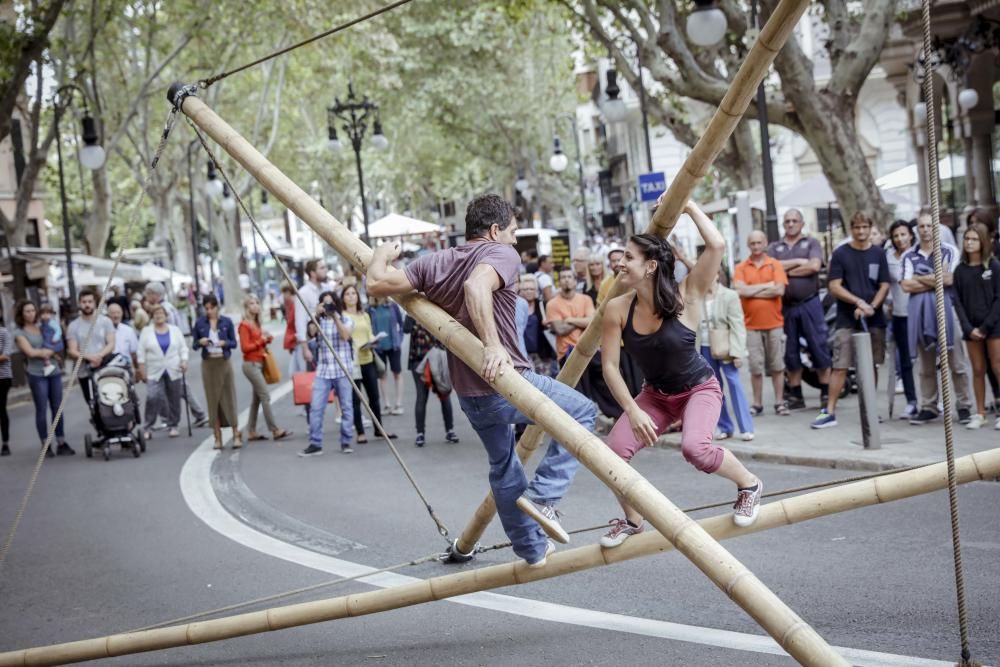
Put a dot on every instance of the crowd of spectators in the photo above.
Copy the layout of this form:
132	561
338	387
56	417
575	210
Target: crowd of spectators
788	312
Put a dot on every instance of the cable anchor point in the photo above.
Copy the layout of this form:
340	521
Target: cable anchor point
178	92
454	555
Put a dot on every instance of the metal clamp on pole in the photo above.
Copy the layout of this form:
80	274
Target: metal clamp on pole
864	367
178	92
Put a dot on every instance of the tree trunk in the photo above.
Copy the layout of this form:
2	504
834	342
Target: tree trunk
828	125
746	170
98	231
229	254
181	236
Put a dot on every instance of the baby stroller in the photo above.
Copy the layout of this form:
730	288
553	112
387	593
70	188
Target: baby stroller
114	410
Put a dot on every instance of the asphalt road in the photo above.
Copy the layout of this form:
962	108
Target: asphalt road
107	547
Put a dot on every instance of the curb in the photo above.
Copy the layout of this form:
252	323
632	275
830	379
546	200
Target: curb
842	463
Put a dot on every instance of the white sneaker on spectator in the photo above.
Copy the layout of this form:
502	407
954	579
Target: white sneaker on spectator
747	437
976	422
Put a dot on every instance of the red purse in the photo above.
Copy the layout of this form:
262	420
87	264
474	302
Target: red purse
302	388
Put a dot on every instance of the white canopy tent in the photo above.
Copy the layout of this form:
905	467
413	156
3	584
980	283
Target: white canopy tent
395	224
908	175
817	193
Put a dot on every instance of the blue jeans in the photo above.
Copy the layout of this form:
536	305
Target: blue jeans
320	395
739	399
806	320
493	418
47	391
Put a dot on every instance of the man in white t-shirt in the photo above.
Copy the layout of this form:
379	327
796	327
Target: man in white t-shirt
91	337
316	283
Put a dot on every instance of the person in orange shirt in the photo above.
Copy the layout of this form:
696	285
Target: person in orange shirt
760	281
568	313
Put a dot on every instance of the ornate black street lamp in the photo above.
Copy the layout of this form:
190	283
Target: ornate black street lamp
558	163
91	156
194	226
354	114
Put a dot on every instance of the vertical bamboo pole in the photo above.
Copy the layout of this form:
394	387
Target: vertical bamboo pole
983	465
786	627
743	89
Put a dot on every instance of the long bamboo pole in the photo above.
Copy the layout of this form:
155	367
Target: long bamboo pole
784	625
980	466
742	91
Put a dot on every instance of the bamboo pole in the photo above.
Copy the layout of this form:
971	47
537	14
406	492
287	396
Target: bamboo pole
980	466
741	92
786	627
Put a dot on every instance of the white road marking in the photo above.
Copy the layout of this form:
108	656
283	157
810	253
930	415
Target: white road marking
195	481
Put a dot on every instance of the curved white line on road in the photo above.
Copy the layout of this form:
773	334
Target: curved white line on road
195	481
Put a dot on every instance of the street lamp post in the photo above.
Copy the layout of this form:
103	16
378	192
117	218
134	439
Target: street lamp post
771	214
354	114
706	26
91	156
194	227
558	162
213	191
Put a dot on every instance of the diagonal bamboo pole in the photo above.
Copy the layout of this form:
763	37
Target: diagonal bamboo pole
743	89
980	466
786	627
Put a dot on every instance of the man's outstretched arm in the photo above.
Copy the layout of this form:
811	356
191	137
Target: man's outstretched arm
382	278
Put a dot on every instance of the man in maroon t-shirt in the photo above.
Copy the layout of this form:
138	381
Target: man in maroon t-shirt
474	283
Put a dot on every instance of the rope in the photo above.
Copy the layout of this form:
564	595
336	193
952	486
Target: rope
727	503
168	126
480	549
376	422
942	331
285	594
205	83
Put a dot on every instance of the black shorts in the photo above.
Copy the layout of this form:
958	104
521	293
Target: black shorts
392	359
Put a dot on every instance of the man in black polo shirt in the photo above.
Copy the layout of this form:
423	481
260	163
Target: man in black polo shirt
801	256
859	280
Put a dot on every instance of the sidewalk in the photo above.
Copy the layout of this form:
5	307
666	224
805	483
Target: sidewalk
790	440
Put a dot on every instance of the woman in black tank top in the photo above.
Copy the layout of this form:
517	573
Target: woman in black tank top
656	322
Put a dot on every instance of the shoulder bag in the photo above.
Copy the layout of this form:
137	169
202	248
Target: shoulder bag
718	338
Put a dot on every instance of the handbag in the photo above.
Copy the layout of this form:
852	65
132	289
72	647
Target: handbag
718	338
379	364
272	374
302	388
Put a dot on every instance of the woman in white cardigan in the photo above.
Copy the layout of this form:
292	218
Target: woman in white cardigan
163	357
725	350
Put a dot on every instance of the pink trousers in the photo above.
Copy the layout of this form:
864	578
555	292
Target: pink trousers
699	409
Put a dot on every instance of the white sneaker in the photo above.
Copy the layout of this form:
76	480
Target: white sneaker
996	426
747	505
976	422
747	437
